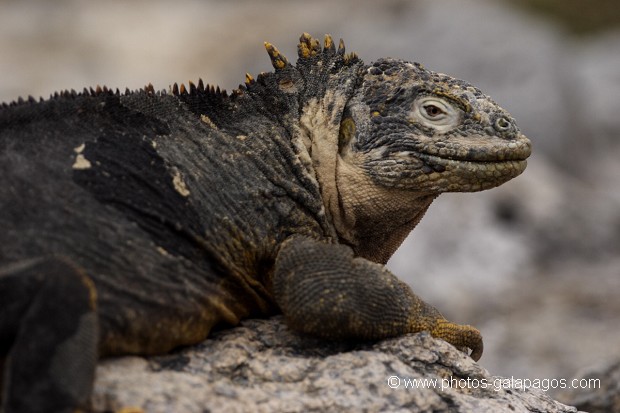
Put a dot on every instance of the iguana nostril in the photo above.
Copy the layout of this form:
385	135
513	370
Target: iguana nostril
502	124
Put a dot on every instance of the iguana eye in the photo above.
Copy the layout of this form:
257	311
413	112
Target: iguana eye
435	112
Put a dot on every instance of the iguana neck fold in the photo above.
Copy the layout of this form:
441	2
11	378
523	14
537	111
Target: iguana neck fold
319	130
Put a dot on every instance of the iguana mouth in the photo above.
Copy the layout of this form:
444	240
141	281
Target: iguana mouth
517	150
438	163
462	175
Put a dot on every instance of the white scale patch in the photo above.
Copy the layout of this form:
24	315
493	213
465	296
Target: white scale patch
162	251
80	160
179	184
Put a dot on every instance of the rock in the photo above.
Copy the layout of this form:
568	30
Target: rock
597	389
263	366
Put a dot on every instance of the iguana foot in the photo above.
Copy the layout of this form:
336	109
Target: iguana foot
460	336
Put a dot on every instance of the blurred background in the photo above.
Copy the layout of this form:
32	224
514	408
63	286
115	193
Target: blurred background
535	264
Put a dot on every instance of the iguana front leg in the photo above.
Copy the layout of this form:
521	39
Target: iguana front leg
325	291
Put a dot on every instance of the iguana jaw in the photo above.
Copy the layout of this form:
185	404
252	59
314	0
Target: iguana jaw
465	176
441	165
475	148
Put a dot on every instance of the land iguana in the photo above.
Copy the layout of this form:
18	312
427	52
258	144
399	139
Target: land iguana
136	222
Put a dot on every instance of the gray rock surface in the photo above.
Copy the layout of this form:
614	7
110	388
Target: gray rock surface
602	389
263	366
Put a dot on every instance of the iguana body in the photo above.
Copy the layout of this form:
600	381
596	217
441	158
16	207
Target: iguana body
135	223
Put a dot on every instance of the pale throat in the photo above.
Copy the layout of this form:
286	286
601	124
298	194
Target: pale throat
372	219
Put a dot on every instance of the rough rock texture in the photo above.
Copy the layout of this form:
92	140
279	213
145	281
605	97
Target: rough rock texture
263	366
603	394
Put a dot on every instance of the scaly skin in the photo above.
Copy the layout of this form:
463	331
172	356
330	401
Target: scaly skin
134	223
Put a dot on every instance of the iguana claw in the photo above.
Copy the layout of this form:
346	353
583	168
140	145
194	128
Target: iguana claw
460	336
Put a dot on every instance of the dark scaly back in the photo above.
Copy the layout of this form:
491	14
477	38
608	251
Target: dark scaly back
174	203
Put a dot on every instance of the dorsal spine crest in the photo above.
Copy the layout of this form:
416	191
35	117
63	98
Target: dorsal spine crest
308	47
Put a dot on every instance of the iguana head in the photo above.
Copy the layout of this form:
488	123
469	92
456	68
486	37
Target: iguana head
414	134
384	140
414	129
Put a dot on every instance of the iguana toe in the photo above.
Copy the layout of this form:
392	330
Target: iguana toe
460	336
